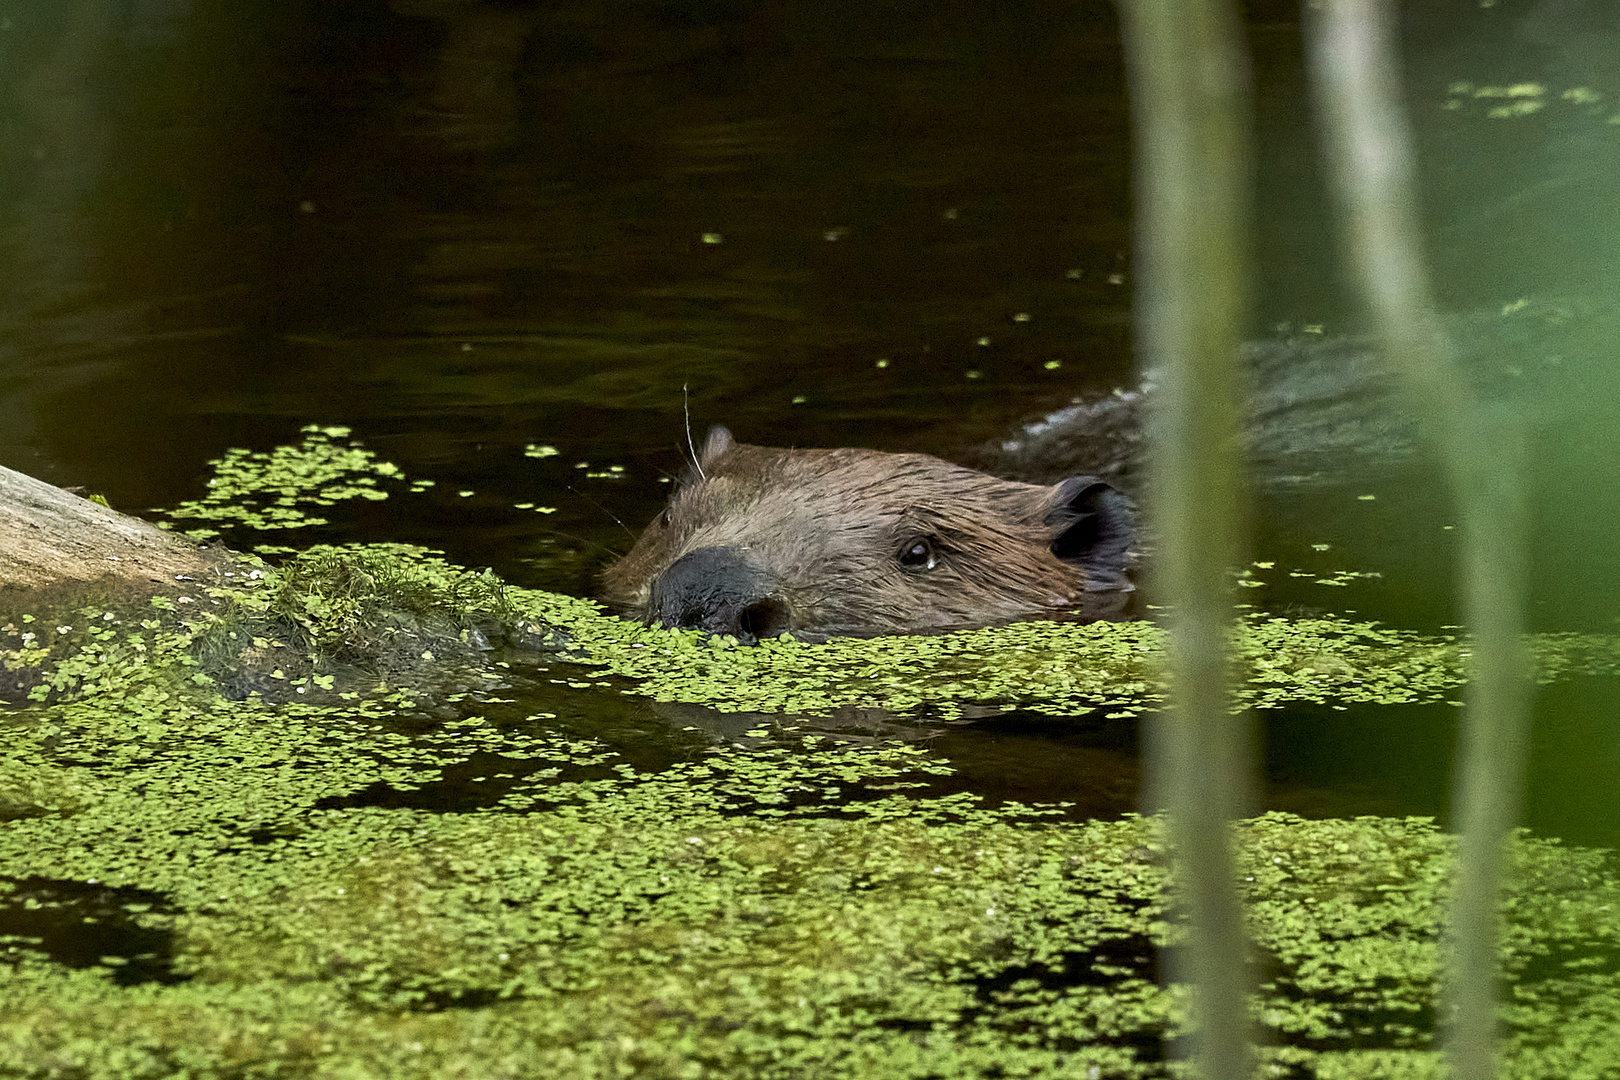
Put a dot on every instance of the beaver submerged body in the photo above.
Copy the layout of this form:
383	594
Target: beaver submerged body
757	542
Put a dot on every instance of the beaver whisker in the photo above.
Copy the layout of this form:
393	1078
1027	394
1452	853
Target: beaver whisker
616	519
686	413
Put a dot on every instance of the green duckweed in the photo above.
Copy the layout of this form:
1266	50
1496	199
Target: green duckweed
283	488
735	914
398	875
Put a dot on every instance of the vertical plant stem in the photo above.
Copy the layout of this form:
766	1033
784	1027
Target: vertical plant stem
1369	147
1190	106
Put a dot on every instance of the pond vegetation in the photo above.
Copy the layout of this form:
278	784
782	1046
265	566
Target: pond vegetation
397	850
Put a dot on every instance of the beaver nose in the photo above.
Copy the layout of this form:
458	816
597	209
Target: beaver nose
720	591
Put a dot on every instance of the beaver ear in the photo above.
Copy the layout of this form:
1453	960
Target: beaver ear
1092	527
715	445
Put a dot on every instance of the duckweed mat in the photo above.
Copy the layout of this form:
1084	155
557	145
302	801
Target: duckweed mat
338	623
789	913
1058	668
335	819
203	888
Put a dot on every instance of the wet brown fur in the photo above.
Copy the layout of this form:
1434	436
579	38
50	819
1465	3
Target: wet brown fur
830	525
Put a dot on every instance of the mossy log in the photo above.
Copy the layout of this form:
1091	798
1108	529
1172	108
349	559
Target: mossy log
91	598
53	538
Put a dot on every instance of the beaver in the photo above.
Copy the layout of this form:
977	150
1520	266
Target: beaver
757	542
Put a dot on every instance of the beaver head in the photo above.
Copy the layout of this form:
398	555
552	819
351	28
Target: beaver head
758	542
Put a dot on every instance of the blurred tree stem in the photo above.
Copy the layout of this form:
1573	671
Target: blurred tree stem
1369	148
1190	113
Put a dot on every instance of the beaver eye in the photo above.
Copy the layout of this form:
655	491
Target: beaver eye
919	553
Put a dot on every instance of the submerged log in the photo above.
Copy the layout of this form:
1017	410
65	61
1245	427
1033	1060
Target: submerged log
50	538
91	599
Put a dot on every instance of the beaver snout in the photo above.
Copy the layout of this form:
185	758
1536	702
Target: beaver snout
719	590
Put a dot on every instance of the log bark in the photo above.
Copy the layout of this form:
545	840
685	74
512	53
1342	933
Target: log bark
50	537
